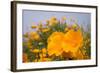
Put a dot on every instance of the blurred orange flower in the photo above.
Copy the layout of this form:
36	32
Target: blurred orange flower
29	45
25	58
35	50
44	50
45	29
34	36
33	26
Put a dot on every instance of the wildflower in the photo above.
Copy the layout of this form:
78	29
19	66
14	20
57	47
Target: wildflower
66	29
53	21
34	36
33	26
44	50
29	45
35	50
40	43
74	26
45	29
25	58
42	55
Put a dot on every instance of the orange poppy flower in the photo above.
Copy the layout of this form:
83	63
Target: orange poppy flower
54	44
72	41
59	42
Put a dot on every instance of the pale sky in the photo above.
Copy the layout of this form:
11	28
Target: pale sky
34	17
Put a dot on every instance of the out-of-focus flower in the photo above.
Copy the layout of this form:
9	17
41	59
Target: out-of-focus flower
42	55
53	21
29	45
35	50
33	26
25	58
54	43
44	50
66	29
34	36
44	59
40	43
72	41
45	29
74	26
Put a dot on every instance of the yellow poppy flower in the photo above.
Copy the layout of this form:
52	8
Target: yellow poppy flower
34	36
54	41
66	29
45	29
33	26
74	26
53	21
35	50
72	41
25	58
29	45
